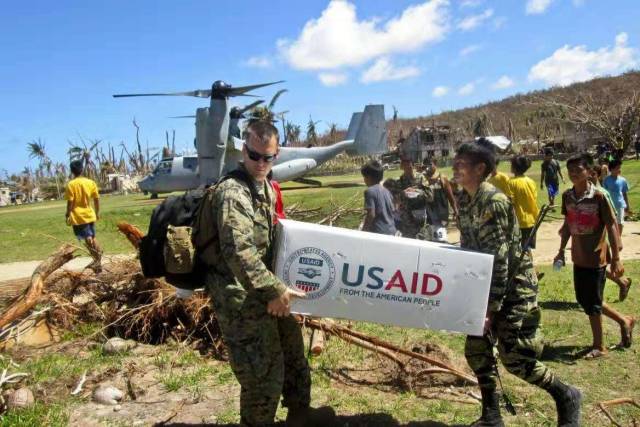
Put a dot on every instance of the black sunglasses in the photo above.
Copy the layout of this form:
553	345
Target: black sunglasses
255	156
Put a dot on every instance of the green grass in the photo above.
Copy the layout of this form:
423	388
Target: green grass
32	232
565	329
566	334
51	367
40	414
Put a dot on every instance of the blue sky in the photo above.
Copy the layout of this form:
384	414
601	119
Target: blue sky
62	61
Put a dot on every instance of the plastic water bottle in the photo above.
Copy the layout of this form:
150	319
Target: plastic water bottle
558	264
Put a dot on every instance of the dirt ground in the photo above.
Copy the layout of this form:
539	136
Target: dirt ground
548	241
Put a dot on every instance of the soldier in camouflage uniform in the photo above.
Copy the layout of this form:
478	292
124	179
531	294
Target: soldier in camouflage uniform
264	341
488	224
412	196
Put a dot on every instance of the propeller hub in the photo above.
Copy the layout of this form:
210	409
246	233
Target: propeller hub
235	113
220	89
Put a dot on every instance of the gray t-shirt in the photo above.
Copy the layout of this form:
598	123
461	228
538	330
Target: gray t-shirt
379	199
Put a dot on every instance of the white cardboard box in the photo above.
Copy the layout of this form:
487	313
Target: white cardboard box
371	277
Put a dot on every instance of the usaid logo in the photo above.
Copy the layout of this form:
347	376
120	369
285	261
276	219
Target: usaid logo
310	270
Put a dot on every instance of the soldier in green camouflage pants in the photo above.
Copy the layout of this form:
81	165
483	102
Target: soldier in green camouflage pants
252	305
488	224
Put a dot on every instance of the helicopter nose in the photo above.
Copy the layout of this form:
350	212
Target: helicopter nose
145	183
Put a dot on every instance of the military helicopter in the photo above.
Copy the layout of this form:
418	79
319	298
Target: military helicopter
219	147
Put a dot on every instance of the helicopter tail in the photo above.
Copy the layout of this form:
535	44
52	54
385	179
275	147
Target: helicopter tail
368	129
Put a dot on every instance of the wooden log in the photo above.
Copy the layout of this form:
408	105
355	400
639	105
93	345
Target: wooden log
31	295
317	342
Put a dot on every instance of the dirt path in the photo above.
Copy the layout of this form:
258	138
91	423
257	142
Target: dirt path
14	276
548	241
547	248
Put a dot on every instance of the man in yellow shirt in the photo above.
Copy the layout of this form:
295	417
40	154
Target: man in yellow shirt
79	193
524	195
500	180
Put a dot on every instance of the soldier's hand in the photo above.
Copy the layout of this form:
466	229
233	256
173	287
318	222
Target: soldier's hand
281	306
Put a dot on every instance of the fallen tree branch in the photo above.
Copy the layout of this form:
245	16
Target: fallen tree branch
30	297
131	232
81	381
379	350
606	404
377	344
10	379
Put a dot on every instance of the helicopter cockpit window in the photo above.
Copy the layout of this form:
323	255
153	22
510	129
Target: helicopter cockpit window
164	167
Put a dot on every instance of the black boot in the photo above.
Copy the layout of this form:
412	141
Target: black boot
310	417
568	399
490	410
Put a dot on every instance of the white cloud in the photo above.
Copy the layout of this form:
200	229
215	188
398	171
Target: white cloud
333	79
503	82
499	22
339	39
578	3
471	22
536	7
383	70
467	89
470	3
574	64
258	62
440	91
468	50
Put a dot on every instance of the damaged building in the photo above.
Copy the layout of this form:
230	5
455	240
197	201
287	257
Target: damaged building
427	141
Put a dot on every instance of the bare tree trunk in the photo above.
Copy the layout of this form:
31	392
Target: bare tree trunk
29	299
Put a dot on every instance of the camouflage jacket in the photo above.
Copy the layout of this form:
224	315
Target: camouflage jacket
418	182
245	237
488	224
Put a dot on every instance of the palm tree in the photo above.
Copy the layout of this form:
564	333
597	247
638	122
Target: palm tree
312	136
292	132
333	132
38	151
25	182
84	153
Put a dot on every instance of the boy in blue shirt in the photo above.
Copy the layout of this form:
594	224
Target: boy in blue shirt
618	188
378	202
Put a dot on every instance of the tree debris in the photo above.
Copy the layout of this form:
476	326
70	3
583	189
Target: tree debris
605	405
81	382
30	297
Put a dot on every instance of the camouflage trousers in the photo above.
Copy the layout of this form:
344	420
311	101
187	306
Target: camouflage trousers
410	227
267	357
519	345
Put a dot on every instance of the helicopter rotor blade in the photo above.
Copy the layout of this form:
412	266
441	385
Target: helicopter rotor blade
205	93
183	117
200	93
242	90
250	106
